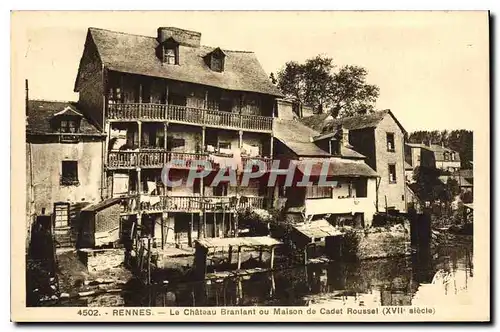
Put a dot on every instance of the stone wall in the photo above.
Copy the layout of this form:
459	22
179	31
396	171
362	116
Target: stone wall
104	259
381	242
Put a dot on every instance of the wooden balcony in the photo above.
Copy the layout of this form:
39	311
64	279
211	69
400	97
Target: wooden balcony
157	204
189	115
146	158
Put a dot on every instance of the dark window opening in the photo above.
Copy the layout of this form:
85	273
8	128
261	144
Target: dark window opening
69	172
69	126
361	188
390	142
217	63
175	144
316	191
392	173
177	99
221	189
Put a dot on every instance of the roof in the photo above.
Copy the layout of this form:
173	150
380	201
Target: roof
317	229
41	113
323	124
297	137
440	150
256	241
337	167
470	206
102	205
316	122
136	54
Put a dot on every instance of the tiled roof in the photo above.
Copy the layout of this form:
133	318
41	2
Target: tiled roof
41	113
321	122
298	138
439	152
136	54
337	167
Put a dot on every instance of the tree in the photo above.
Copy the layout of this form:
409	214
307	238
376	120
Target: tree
316	83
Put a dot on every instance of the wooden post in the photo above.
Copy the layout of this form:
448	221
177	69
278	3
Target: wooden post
165	133
305	255
272	257
260	253
191	230
166	102
139	185
205	102
140	93
215	225
223	223
230	254
240	142
204	224
203	133
149	260
235	224
272	147
162	233
239	257
139	126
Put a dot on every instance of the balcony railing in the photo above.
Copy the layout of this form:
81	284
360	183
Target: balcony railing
175	203
190	115
153	158
157	159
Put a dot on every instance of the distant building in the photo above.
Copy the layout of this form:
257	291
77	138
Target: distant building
380	137
64	165
351	200
432	155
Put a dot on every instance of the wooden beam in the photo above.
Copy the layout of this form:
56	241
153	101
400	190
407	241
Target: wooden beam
260	253
230	254
239	257
139	126
240	141
203	134
139	184
272	147
272	258
165	133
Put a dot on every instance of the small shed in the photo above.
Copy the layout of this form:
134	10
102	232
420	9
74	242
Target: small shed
204	245
314	235
100	224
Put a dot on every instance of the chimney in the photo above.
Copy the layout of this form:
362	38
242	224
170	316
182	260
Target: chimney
343	135
181	36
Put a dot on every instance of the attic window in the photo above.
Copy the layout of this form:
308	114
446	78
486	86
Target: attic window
217	63
170	54
215	60
69	126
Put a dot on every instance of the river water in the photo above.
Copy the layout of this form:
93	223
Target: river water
443	276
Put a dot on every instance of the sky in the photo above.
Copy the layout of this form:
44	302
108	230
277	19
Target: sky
431	67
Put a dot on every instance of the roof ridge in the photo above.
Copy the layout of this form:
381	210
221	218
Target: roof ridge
153	37
55	101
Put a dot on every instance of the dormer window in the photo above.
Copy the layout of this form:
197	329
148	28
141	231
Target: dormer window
170	55
69	126
334	147
168	52
215	60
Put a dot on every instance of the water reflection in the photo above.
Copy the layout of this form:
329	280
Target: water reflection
445	275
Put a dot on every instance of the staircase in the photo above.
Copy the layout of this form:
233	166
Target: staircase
63	237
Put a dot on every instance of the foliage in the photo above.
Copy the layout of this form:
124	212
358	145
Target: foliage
428	187
340	93
458	140
350	245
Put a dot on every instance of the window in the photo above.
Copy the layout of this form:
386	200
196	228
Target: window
175	144
69	173
170	55
453	156
224	146
446	156
61	214
316	191
392	173
68	126
217	63
390	142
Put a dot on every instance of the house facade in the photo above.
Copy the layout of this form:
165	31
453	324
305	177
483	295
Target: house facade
433	155
63	165
378	136
169	98
351	198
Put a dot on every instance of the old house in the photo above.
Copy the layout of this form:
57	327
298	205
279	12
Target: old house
351	200
432	155
63	165
167	98
378	136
